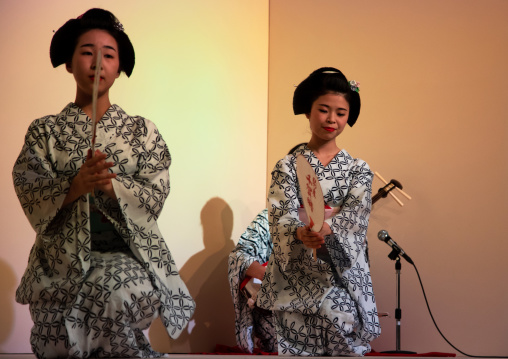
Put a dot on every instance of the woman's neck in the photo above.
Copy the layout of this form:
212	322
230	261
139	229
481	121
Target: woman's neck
86	105
324	151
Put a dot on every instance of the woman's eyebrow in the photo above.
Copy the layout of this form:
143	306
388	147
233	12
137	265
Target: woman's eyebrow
327	106
105	46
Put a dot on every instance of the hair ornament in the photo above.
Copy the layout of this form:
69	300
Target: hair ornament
118	25
355	86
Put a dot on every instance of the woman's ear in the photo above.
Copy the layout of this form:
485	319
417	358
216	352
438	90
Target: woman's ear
68	67
308	116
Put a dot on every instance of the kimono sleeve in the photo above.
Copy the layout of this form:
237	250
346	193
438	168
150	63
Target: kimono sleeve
254	246
283	207
349	226
39	188
348	248
141	193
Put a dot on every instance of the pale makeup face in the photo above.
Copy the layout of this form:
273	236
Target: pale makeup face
84	61
328	117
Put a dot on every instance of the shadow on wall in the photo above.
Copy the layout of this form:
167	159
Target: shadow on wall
8	284
206	276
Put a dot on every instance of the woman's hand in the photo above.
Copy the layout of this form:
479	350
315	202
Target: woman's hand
92	174
312	239
106	186
309	238
256	270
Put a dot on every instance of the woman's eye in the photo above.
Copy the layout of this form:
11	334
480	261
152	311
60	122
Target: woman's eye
322	111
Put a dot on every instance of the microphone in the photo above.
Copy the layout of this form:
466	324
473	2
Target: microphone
385	237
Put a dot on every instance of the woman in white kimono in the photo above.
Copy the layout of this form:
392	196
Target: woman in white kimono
100	271
323	307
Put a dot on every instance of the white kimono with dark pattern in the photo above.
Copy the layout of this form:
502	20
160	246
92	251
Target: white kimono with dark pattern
323	307
255	245
95	303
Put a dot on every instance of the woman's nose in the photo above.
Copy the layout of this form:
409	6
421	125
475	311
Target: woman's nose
97	60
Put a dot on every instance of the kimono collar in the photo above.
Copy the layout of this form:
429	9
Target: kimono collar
74	112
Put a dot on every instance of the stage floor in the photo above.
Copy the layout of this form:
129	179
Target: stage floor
205	356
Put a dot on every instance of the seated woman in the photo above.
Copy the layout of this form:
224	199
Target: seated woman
100	271
322	307
246	260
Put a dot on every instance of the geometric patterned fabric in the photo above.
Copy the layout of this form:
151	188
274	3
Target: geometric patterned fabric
318	313
92	295
252	325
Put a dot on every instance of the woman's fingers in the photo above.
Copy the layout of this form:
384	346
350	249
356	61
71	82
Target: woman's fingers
312	239
94	171
309	238
97	163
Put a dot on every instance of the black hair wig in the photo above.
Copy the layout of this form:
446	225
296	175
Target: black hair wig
65	38
320	82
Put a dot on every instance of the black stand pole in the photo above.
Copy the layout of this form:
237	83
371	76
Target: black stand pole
394	255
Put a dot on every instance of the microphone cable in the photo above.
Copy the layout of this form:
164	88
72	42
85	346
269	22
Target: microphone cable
442	335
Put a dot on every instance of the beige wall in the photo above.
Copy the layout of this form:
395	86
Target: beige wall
200	67
434	116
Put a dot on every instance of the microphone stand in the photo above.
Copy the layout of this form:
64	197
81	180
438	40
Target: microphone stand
394	255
